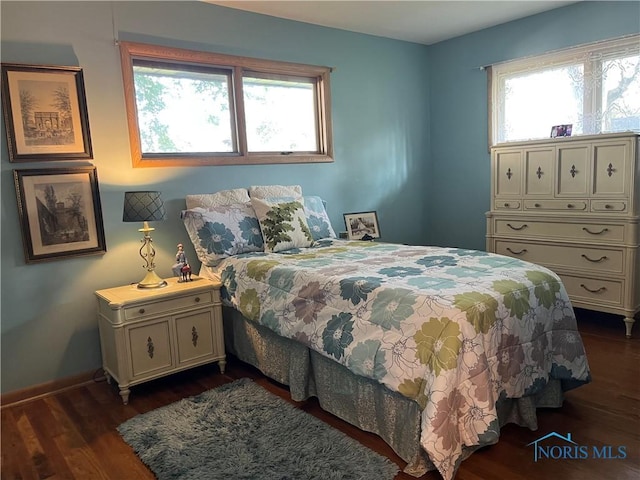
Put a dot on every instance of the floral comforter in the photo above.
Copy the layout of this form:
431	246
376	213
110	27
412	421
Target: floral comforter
453	329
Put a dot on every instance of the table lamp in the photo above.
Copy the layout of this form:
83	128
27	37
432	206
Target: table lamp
145	207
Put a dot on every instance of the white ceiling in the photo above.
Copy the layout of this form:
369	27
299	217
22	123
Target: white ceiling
418	21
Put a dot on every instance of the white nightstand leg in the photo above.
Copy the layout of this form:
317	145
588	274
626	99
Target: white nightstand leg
124	393
222	364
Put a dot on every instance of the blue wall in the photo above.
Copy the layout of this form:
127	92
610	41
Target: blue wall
410	130
459	164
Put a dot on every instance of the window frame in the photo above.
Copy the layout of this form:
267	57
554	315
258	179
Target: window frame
605	49
130	51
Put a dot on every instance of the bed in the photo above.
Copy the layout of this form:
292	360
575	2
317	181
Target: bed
431	348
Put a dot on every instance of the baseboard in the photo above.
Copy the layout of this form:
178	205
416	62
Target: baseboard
49	388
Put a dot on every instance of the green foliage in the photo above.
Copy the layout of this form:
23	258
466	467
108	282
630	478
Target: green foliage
278	223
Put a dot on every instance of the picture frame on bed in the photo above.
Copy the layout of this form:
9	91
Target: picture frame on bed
45	113
60	213
362	225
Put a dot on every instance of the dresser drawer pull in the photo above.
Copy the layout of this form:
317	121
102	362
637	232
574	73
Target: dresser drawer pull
141	311
197	299
539	172
523	226
608	207
599	290
194	336
521	252
595	233
573	171
570	205
509	173
610	169
604	257
506	205
537	205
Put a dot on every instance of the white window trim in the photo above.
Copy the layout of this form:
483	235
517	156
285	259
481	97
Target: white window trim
550	59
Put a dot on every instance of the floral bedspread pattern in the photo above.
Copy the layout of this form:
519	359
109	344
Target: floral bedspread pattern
453	329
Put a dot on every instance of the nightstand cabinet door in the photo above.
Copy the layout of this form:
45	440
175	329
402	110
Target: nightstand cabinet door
194	334
150	348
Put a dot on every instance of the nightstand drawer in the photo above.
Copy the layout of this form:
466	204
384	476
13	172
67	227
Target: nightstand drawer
566	205
150	348
169	305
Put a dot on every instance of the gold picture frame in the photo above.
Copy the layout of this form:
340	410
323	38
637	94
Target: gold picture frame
45	113
60	213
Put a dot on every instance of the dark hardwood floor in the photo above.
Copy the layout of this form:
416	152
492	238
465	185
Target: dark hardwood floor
72	434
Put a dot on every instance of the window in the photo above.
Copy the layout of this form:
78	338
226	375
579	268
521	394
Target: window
595	87
197	108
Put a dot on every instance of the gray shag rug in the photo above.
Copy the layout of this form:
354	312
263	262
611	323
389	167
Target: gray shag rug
241	431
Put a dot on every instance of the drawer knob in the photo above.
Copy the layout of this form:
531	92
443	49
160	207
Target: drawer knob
599	290
521	227
141	311
573	171
604	257
537	205
521	252
506	204
539	173
570	205
608	207
197	299
595	233
509	173
150	347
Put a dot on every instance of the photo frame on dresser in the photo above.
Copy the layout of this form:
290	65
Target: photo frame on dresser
60	213
361	225
561	130
45	113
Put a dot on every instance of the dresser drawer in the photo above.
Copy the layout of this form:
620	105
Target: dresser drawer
602	260
608	206
169	305
555	205
502	204
562	230
594	290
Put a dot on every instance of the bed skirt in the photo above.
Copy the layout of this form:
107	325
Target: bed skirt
359	401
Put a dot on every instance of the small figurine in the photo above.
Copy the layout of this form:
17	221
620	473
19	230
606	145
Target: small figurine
181	268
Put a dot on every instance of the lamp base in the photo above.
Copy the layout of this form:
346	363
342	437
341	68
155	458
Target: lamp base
152	280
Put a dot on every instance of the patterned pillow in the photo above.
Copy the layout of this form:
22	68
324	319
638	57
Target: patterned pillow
224	197
269	191
283	224
223	231
317	218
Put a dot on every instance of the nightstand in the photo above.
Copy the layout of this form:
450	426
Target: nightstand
150	333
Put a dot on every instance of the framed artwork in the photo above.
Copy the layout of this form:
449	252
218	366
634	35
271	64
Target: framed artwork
45	113
60	213
561	130
362	225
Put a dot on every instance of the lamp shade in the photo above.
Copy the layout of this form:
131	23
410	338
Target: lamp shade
143	207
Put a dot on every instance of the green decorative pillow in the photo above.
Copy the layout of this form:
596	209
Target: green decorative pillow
283	224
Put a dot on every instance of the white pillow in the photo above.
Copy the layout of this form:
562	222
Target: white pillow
268	191
212	200
283	224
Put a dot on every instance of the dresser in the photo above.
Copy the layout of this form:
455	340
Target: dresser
150	333
573	204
